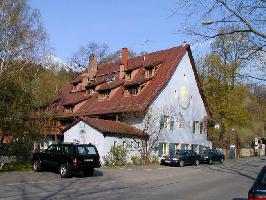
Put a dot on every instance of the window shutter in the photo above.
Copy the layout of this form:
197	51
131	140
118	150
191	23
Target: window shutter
172	124
160	152
172	148
201	127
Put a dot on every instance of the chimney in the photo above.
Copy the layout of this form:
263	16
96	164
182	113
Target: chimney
124	55
92	65
122	71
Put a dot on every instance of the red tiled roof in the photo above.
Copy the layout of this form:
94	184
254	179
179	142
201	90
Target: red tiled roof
114	127
167	59
111	85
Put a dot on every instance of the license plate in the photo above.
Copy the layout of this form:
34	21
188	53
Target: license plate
167	161
88	160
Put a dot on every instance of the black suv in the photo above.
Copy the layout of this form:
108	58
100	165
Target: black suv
68	158
181	158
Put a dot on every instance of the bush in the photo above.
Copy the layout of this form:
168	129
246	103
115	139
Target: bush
116	157
14	166
136	160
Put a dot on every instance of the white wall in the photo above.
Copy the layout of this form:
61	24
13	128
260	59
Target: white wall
180	99
83	133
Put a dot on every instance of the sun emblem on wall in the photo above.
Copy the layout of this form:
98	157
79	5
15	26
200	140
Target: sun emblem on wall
184	98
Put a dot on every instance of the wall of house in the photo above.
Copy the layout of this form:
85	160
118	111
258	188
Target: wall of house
181	101
83	133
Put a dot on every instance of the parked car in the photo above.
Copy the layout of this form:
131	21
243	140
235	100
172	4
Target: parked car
181	158
258	189
68	158
211	155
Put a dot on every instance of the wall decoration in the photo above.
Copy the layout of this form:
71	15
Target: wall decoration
184	99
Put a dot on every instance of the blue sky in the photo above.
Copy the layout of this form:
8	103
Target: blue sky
118	23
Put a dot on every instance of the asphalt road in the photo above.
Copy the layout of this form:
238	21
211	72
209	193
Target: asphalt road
230	180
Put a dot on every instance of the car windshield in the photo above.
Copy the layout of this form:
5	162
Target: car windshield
86	150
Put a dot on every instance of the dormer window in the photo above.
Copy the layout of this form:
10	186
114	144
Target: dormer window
90	91
104	94
132	90
69	109
150	72
74	88
128	75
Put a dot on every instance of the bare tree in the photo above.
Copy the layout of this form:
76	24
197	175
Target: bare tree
22	36
212	15
80	58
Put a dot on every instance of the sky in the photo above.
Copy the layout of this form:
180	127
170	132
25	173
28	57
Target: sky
138	25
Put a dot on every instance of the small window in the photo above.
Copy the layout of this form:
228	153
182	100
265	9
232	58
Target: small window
115	143
133	90
74	88
90	91
150	72
124	144
104	94
138	144
196	127
165	122
131	145
128	75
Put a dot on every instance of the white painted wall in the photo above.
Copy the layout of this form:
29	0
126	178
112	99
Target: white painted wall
180	99
83	133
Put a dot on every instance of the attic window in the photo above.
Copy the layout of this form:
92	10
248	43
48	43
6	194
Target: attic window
69	109
133	90
104	95
90	91
128	75
74	88
150	72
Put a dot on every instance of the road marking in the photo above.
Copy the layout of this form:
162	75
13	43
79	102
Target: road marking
129	169
163	168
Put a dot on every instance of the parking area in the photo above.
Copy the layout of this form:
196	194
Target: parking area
230	180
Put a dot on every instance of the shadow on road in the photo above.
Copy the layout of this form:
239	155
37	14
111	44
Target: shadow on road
239	199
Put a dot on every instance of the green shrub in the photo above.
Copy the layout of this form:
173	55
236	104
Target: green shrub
136	160
14	166
116	157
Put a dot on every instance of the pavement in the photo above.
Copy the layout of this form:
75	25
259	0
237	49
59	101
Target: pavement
230	180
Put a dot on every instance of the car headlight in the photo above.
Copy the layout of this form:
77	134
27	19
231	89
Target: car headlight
206	157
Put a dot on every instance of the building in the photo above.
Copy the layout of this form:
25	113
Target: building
158	93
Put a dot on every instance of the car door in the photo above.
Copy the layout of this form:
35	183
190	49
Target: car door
49	156
192	156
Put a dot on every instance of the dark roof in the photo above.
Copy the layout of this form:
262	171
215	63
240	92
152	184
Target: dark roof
110	127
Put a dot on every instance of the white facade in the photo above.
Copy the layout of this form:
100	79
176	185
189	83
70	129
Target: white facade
83	133
181	107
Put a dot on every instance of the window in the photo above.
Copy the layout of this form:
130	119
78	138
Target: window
115	143
131	145
172	124
196	127
128	75
165	149
124	144
150	72
86	150
133	90
74	88
90	91
69	109
138	144
104	94
165	122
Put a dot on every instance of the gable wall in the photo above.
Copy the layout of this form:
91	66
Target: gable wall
181	100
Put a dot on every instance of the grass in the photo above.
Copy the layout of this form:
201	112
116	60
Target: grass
11	167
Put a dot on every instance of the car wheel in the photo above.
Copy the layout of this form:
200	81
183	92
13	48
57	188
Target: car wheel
64	171
181	163
222	160
210	162
37	167
89	172
197	163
